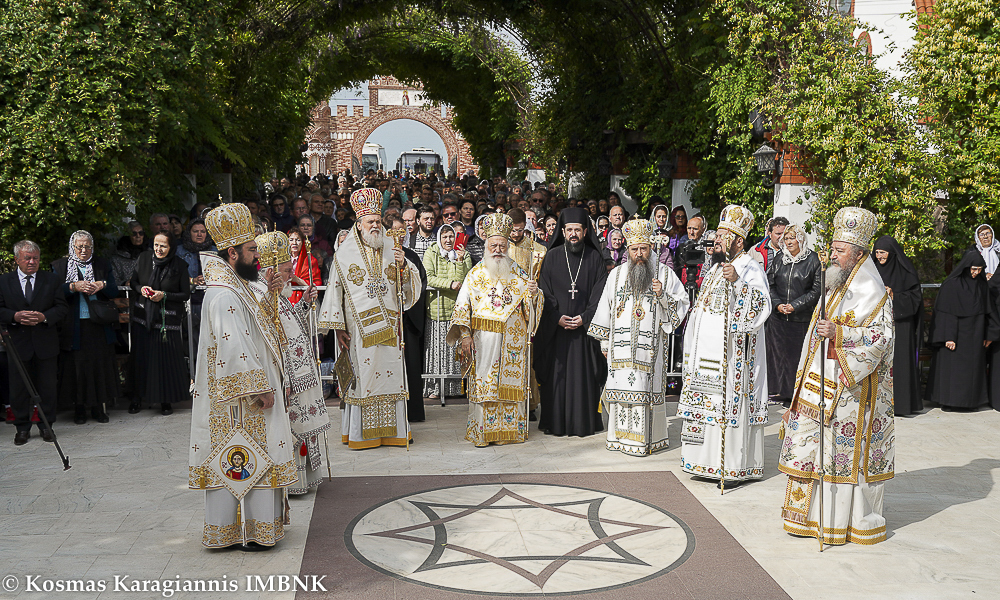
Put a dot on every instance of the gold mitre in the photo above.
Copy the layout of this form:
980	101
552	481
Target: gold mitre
273	249
366	201
637	231
497	224
855	226
230	225
737	219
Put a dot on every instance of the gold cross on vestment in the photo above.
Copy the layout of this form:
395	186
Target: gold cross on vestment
231	310
281	444
243	357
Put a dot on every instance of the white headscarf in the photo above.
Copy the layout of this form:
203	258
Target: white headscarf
75	266
804	250
449	254
992	254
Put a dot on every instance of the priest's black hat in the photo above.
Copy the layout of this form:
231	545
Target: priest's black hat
581	217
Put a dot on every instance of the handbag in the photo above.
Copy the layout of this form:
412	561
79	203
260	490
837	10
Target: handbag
102	312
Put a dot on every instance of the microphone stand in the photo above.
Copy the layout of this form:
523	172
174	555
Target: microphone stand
32	391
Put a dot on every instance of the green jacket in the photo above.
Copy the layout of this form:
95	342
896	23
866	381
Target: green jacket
441	273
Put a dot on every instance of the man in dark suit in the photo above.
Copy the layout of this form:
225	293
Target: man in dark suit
31	305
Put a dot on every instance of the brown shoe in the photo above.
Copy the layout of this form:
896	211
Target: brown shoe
47	435
21	438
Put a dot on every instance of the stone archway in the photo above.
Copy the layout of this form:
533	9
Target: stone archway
421	115
336	134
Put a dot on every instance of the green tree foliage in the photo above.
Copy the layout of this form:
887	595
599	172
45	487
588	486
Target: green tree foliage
88	93
851	130
954	70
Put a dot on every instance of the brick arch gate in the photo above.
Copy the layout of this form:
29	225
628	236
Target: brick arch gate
337	134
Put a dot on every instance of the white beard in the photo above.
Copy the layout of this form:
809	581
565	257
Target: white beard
836	277
372	238
498	268
287	290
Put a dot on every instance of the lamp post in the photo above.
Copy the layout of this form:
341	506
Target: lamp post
766	158
666	165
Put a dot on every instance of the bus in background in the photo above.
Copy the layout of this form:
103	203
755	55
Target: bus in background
372	157
420	161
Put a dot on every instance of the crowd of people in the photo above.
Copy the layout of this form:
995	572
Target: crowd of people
628	310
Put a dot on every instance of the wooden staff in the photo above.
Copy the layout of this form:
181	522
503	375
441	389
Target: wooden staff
822	392
397	238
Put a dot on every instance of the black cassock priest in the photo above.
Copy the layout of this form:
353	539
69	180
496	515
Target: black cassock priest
958	331
569	365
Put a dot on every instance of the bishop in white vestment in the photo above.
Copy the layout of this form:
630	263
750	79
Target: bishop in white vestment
241	440
494	318
723	402
859	434
306	405
361	305
642	303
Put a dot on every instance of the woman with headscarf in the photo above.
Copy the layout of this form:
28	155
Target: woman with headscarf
989	248
900	277
616	253
159	289
665	243
88	371
958	335
446	269
795	289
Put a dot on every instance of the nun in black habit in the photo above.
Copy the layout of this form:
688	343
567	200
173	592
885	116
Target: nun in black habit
900	276
958	337
568	363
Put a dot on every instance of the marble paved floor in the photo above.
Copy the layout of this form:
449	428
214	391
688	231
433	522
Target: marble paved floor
124	508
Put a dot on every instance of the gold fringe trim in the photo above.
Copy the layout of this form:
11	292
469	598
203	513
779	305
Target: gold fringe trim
628	435
487	325
379	432
385	336
630	364
507	393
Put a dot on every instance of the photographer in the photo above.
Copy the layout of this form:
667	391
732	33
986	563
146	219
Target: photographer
694	254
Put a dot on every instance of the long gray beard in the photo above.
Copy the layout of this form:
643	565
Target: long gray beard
836	277
372	238
498	268
640	277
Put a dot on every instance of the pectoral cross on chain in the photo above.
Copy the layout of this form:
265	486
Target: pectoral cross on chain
572	291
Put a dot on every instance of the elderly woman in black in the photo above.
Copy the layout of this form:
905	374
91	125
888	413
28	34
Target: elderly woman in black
159	288
795	286
86	337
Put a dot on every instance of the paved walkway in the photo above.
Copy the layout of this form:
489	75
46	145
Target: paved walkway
124	508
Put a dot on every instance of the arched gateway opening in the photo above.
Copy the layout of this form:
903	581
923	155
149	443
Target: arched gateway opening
336	135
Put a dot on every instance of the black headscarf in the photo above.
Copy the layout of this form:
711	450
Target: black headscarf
898	273
960	294
579	216
126	248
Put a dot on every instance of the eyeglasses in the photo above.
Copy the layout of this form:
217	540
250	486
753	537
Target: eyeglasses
138	233
449	214
82	248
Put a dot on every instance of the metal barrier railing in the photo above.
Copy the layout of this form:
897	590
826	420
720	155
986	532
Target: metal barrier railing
440	349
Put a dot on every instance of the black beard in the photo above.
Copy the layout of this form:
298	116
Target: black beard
718	257
247	271
575	247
